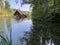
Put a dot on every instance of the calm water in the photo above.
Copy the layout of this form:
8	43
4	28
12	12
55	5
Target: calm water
18	28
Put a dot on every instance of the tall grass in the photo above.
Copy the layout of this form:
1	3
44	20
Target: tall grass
5	40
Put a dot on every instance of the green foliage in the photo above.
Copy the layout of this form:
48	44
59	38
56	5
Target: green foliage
42	20
28	14
5	10
1	4
42	12
7	5
5	41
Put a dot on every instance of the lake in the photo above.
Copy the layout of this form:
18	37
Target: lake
16	29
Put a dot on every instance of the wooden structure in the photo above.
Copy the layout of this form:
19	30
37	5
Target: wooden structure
20	14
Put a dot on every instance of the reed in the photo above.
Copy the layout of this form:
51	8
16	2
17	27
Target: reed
5	40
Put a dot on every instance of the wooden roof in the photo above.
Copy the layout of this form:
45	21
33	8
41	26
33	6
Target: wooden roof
21	12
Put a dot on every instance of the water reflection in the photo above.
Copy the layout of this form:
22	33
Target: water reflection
18	29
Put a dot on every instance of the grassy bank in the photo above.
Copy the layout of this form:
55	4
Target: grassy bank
4	11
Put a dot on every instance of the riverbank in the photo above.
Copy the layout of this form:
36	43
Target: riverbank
6	16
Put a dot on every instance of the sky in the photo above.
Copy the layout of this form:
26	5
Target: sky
25	7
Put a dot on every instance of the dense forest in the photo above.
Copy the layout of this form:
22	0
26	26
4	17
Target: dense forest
46	24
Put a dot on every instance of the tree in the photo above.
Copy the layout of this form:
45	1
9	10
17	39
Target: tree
7	5
1	4
42	13
45	23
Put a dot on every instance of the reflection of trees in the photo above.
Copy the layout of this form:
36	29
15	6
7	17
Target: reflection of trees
26	39
48	30
7	23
